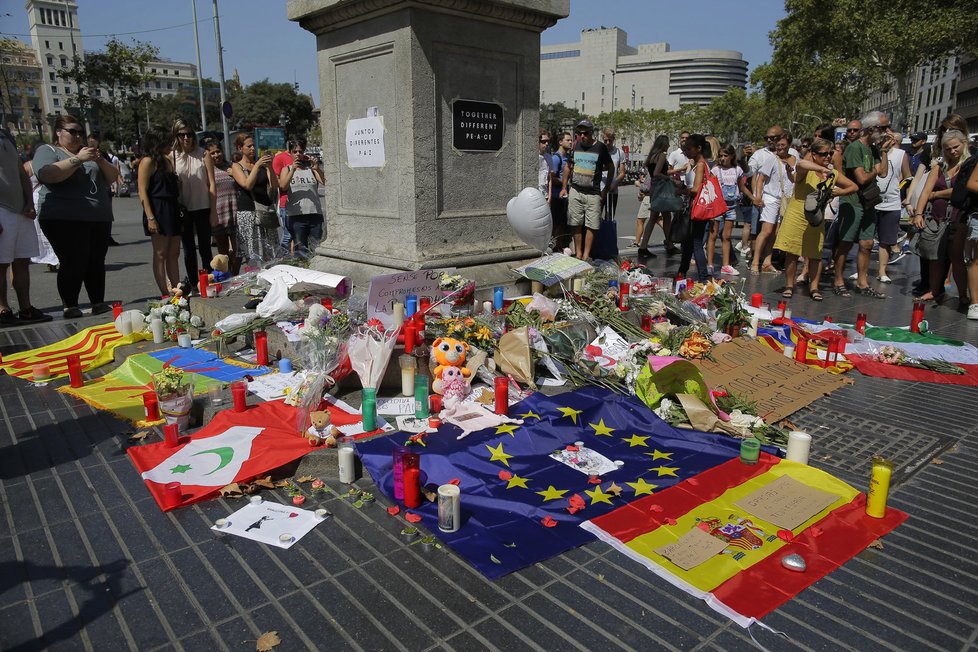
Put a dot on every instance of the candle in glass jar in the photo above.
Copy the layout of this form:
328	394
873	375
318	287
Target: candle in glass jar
753	326
502	395
151	406
750	450
239	394
124	325
261	347
787	313
156	325
408	366
183	340
346	461
41	372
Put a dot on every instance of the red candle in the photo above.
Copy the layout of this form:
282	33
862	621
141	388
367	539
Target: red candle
424	304
152	406
647	323
502	395
916	316
239	392
202	279
261	347
116	309
623	291
801	351
171	435
861	323
75	371
420	322
756	299
326	303
172	494
412	486
434	402
840	346
409	335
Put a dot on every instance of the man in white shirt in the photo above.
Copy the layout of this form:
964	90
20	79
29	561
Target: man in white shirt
770	181
888	210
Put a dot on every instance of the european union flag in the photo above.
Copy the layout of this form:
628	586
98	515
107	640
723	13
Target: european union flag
525	488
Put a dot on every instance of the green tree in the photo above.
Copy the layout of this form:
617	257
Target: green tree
261	104
562	114
829	54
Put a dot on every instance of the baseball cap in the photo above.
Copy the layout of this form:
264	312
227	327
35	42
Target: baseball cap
914	137
585	124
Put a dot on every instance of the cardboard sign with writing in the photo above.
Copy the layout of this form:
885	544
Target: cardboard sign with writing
692	549
786	502
387	289
779	385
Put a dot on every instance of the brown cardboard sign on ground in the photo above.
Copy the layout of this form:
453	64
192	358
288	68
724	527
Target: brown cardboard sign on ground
693	548
780	386
786	502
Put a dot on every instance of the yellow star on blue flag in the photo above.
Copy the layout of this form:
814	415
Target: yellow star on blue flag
498	454
552	493
507	429
642	487
570	412
656	454
636	440
516	481
666	470
601	429
598	495
528	414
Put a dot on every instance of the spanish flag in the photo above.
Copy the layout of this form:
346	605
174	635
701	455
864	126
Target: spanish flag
746	579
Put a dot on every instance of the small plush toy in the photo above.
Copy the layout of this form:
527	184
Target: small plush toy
220	265
321	430
447	353
453	384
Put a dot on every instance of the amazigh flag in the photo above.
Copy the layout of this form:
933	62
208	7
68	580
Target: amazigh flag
233	447
526	487
922	346
94	345
746	580
121	390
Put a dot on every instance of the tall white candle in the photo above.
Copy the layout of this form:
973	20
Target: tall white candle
799	445
157	327
787	313
487	307
408	365
753	326
346	463
789	351
398	314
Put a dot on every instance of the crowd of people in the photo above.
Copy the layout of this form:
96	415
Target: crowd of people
56	209
796	207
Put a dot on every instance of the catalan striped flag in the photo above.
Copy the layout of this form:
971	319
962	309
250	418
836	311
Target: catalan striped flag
747	579
94	345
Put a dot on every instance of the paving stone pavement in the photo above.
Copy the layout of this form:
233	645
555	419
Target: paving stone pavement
89	562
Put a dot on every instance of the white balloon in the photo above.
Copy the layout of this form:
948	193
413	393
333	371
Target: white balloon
130	321
529	215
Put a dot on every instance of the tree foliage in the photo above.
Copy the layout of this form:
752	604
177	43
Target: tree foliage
828	55
263	102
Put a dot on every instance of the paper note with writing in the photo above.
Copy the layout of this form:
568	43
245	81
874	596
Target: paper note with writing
274	386
553	269
365	142
607	348
585	460
396	405
692	549
786	502
269	522
387	289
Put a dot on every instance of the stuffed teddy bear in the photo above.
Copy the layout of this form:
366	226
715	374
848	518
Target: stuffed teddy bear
220	265
447	353
321	430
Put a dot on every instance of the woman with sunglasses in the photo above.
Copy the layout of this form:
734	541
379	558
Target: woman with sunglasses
75	213
797	237
198	197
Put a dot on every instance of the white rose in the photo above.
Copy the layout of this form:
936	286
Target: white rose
744	422
182	302
169	309
184	315
170	319
196	321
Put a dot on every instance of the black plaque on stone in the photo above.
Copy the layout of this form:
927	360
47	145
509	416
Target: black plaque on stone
477	126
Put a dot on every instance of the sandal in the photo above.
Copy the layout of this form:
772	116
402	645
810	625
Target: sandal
869	292
788	293
770	269
841	291
815	295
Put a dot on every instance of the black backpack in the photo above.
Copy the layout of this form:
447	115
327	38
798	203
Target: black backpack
961	198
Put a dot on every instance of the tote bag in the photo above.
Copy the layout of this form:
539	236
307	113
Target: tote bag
709	202
664	198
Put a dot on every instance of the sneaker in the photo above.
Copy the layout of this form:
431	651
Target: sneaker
730	271
973	311
884	279
902	237
709	270
73	313
895	258
33	316
100	308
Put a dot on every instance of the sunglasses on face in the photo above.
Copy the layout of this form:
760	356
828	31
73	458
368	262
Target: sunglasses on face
825	153
77	133
583	133
544	140
184	134
852	130
775	137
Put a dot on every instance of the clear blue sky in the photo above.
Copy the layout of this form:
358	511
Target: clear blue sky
260	42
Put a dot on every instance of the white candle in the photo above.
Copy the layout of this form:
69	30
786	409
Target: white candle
487	307
398	314
157	326
787	313
408	364
578	285
799	445
183	340
789	351
753	326
346	464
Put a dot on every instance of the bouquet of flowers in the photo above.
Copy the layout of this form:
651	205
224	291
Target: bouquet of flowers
892	355
472	330
174	395
322	345
176	317
456	290
369	348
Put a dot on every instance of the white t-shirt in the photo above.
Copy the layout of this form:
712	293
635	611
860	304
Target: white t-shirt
890	184
676	159
543	174
616	158
766	162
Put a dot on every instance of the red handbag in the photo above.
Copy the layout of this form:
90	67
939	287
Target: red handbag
709	202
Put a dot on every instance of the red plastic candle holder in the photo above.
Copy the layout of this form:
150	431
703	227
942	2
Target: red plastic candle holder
203	278
172	494
861	323
326	303
409	335
75	371
623	291
116	309
801	350
171	435
261	347
151	405
756	299
502	395
239	393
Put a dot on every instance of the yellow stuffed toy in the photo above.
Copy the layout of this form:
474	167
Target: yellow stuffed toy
447	352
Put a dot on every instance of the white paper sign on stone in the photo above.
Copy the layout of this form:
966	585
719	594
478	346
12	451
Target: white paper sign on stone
272	523
387	289
300	279
396	405
365	142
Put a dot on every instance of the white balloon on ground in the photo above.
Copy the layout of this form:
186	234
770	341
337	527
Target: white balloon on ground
529	215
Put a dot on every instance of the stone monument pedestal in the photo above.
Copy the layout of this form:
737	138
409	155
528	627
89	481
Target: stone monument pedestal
456	85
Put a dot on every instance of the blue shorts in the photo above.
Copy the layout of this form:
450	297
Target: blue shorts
729	216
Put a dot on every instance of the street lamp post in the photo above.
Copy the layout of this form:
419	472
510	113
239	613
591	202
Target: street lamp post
36	113
550	120
613	73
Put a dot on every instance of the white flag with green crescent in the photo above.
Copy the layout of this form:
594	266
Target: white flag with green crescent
210	462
